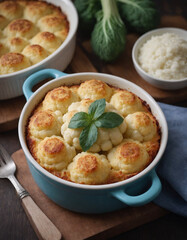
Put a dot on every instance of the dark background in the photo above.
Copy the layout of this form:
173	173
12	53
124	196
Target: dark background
14	224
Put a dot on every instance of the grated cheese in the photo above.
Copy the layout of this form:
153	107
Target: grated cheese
164	57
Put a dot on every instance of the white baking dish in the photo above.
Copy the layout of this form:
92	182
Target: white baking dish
11	84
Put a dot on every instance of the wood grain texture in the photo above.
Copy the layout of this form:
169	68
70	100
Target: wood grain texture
85	226
42	225
10	111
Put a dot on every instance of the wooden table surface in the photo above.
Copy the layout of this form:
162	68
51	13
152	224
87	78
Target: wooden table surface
14	224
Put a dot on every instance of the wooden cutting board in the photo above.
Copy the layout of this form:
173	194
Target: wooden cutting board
85	61
85	226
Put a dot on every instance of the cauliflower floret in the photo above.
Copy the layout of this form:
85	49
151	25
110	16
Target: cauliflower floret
71	136
141	126
126	102
80	106
94	89
89	168
59	99
54	153
129	157
44	123
107	138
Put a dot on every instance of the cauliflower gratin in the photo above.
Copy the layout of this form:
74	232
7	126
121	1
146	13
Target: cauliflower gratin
117	154
29	32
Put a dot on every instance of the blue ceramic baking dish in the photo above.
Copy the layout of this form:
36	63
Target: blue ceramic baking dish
136	191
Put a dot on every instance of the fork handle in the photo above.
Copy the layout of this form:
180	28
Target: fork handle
42	225
44	228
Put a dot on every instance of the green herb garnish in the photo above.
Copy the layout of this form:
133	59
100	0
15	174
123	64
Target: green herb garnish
109	120
88	137
95	118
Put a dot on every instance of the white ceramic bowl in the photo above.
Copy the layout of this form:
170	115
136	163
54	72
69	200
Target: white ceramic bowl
91	198
11	84
159	83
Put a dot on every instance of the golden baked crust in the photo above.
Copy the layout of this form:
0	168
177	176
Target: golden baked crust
25	23
59	99
35	10
141	126
126	102
3	49
35	53
62	34
152	147
129	157
13	62
118	153
94	90
47	40
54	154
44	123
16	44
89	168
21	28
53	23
11	10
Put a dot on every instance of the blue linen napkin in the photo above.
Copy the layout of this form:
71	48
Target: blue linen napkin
172	169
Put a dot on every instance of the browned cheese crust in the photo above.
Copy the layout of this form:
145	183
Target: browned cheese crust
27	23
138	148
87	164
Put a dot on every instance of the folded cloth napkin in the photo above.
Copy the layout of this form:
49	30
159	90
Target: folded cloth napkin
172	169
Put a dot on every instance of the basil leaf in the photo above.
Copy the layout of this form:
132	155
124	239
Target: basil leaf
79	120
109	120
97	108
88	137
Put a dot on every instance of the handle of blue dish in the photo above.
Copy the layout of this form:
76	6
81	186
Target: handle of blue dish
37	77
141	199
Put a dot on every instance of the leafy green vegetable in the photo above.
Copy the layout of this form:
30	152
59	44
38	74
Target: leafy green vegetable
88	137
87	10
93	119
109	35
109	120
97	108
139	15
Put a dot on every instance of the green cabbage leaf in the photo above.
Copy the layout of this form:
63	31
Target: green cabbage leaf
109	35
87	10
139	15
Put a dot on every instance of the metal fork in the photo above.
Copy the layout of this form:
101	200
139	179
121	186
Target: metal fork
44	228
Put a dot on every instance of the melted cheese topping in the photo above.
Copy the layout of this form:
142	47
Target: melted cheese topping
32	29
117	154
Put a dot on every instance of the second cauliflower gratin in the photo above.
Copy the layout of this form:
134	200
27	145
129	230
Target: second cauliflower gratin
93	133
29	32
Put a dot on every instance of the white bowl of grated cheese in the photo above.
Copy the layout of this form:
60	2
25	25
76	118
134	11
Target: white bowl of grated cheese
160	58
